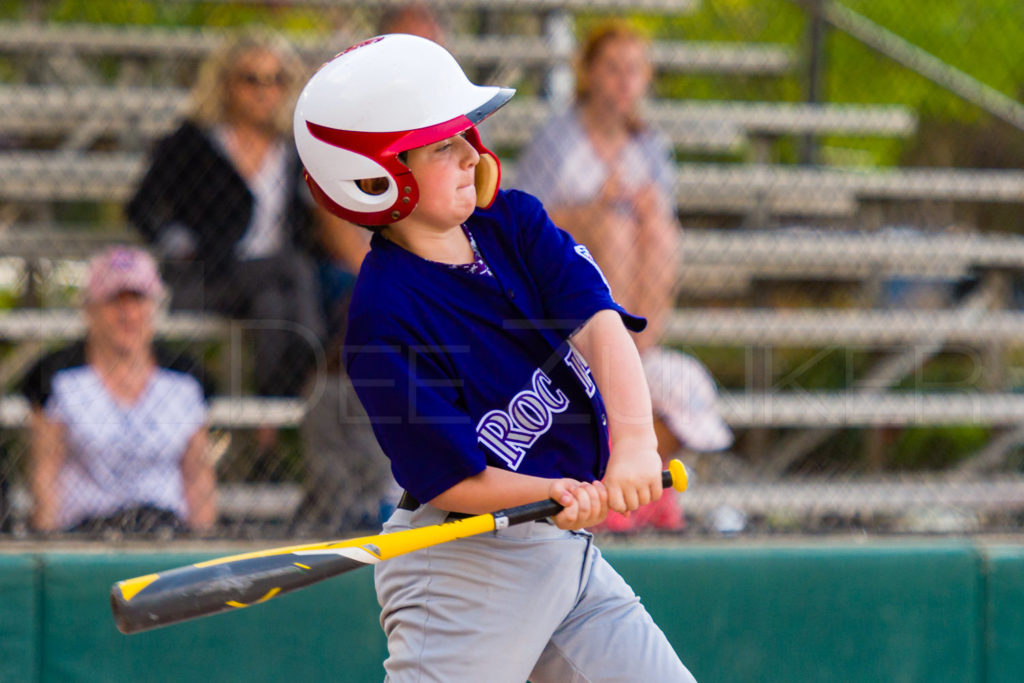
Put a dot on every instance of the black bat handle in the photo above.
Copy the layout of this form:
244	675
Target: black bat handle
674	477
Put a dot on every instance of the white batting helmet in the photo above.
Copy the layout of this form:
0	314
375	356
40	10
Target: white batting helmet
372	102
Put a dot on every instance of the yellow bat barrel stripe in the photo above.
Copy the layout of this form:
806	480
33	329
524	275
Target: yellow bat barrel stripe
270	593
282	551
131	587
401	542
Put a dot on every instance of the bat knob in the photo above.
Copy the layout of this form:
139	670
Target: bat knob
679	477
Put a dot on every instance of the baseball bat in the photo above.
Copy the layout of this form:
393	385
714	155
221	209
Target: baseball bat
229	583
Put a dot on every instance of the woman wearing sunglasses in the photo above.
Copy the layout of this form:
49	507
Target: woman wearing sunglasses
225	205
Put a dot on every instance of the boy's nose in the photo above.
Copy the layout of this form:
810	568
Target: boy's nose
470	155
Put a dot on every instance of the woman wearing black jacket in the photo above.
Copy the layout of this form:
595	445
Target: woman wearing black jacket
225	206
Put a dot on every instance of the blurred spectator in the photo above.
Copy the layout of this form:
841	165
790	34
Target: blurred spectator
414	18
348	478
224	203
118	424
348	483
608	179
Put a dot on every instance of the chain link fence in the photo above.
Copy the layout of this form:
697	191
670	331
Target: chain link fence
844	174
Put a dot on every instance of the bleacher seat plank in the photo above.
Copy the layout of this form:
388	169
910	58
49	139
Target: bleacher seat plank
147	112
111	176
716	262
789	118
823	409
817	496
192	43
939	184
225	412
254	501
66	324
181	43
896	251
712	126
739	409
730	260
54	241
821	327
54	109
69	176
666	56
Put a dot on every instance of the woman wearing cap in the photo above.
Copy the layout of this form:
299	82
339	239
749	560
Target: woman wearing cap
118	425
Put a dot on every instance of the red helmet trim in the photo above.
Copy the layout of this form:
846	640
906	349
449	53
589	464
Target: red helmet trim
381	145
384	148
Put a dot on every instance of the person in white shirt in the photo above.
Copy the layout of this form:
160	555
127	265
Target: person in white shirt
118	425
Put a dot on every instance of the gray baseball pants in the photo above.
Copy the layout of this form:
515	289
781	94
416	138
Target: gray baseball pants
530	602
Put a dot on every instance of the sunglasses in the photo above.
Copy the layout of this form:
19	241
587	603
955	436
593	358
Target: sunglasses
257	80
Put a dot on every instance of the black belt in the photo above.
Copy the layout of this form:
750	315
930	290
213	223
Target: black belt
408	502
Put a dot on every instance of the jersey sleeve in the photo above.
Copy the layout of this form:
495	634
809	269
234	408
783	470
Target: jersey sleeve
418	416
571	284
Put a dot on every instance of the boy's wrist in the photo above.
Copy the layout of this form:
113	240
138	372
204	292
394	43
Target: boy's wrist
642	439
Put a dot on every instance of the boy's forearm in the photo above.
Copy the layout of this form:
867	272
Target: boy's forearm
617	370
493	489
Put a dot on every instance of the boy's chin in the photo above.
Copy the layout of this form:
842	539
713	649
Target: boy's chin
466	212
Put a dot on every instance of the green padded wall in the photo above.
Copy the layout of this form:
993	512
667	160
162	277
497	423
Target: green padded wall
879	611
19	618
1004	568
328	631
817	612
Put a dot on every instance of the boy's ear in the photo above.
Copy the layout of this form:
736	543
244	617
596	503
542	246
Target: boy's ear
488	174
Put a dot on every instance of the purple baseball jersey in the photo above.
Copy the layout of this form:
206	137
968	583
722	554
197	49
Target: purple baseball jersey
460	369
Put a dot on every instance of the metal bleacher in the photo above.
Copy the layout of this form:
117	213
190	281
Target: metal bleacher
96	130
126	109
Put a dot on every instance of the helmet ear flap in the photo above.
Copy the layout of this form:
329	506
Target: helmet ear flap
488	176
488	170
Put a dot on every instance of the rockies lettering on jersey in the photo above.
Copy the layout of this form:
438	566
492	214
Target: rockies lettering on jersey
579	366
510	433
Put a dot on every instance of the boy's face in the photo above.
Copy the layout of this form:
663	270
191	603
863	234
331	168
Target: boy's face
445	172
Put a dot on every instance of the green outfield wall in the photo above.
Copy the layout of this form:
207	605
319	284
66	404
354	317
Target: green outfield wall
816	611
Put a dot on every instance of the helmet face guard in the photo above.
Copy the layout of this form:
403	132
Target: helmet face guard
338	157
385	148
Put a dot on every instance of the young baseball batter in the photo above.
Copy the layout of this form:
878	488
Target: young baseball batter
496	368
